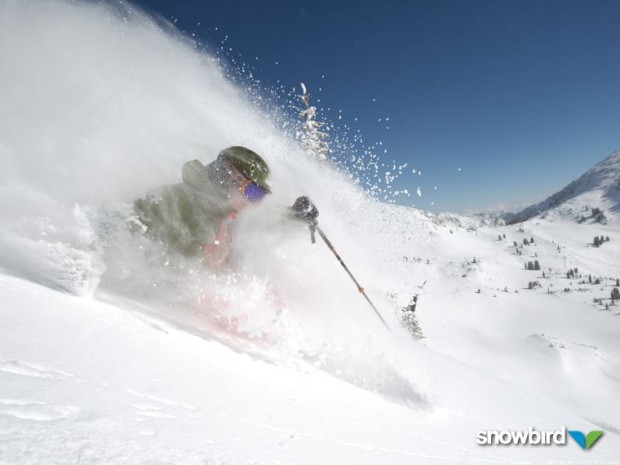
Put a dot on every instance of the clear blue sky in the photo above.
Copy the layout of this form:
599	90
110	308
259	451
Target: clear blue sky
495	101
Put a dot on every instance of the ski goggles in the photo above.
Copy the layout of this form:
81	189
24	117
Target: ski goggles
250	190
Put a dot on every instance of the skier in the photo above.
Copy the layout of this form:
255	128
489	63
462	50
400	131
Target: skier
194	218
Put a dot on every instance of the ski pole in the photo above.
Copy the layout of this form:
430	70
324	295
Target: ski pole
359	287
305	210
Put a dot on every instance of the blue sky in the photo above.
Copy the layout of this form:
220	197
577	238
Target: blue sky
495	101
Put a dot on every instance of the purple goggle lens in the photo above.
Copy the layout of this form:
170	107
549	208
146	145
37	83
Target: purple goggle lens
254	193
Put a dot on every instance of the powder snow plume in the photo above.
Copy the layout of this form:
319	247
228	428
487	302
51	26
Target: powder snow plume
101	103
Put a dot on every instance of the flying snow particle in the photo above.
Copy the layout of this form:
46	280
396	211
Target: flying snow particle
419	192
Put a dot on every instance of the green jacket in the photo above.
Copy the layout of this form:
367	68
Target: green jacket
186	217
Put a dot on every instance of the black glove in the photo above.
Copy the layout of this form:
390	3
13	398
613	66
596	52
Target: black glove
304	209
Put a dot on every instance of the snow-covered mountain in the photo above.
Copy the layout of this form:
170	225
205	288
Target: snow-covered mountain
108	355
598	188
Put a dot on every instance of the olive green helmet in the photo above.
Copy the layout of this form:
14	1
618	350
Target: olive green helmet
248	163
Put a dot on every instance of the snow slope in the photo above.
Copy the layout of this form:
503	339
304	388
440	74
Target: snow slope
106	354
88	382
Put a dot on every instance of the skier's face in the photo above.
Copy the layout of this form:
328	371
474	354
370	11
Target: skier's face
251	191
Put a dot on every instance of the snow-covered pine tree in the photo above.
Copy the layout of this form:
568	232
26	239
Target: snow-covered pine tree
313	140
410	322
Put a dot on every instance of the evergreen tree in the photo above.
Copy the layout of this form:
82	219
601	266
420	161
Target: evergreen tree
312	139
615	293
410	322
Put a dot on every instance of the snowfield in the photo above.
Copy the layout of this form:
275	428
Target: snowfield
84	381
107	351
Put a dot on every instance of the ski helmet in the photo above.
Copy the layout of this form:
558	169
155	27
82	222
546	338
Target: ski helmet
248	163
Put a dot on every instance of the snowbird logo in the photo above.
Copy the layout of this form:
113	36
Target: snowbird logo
586	441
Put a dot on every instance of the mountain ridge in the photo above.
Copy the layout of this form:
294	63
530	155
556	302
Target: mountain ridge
604	177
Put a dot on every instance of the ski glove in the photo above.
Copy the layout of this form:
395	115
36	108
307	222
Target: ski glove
305	210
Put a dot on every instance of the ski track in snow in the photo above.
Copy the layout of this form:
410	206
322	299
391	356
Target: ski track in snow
31	370
152	407
36	411
39	376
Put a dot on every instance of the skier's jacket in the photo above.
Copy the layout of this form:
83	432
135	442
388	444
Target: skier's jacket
191	218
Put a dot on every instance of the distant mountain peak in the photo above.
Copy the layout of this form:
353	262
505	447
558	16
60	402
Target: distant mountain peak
603	177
